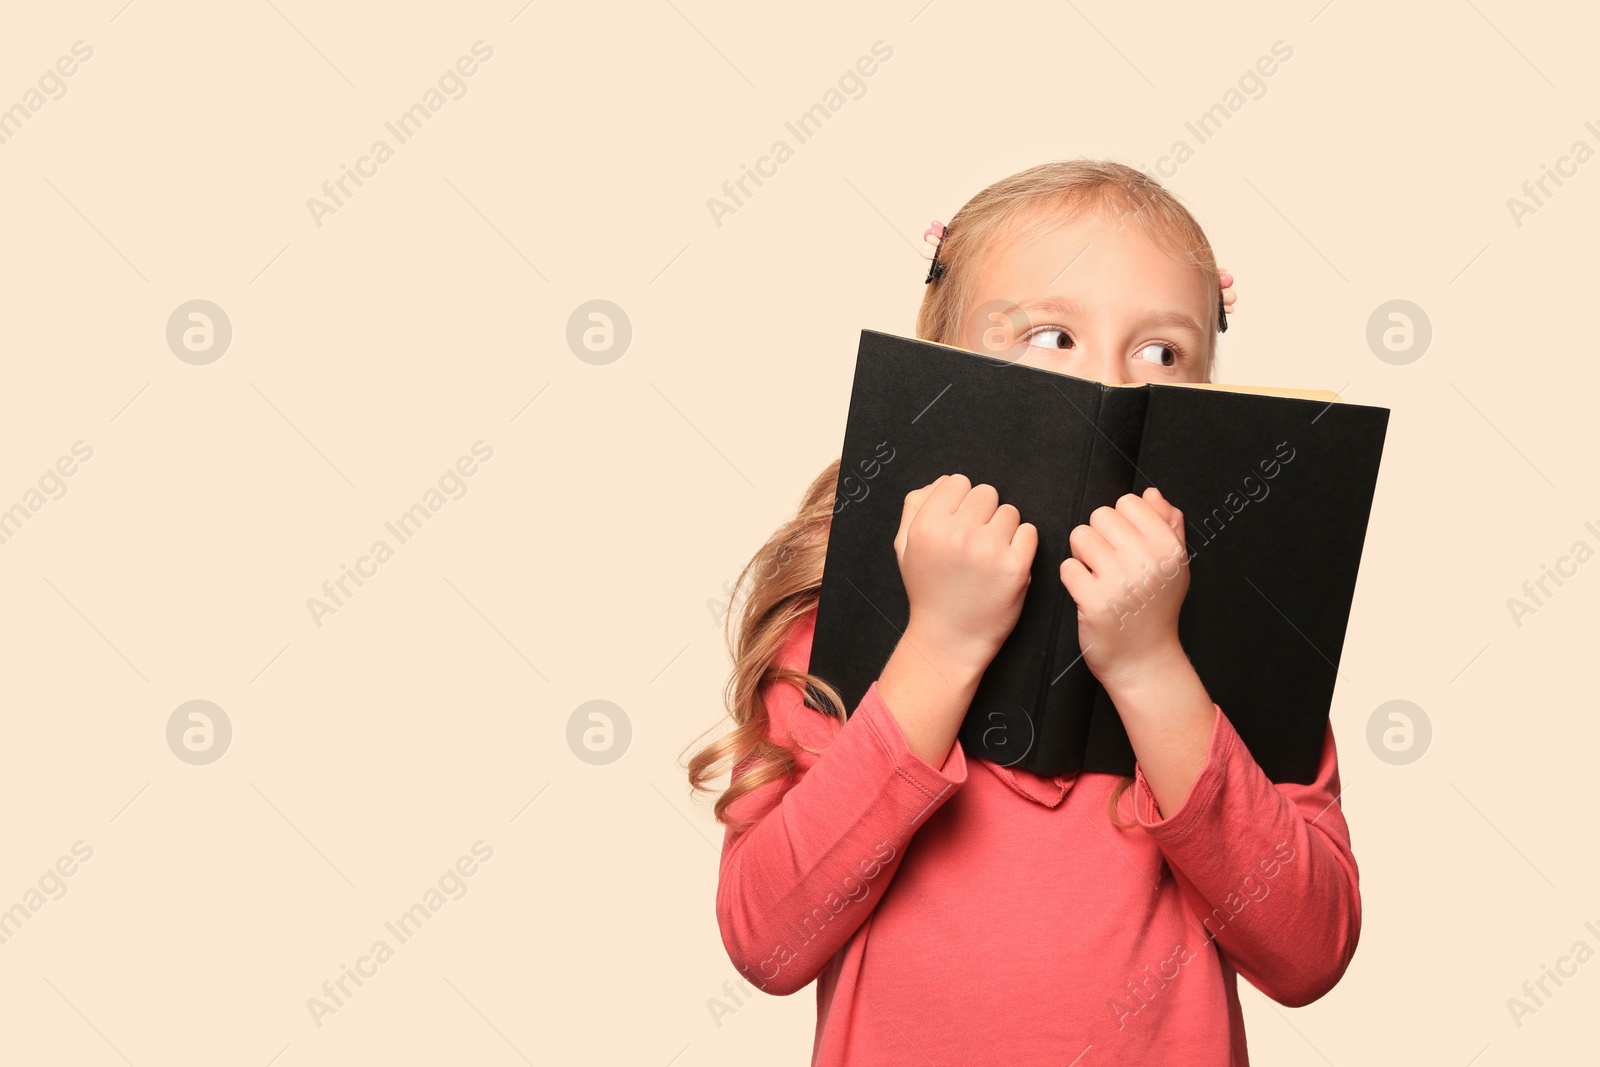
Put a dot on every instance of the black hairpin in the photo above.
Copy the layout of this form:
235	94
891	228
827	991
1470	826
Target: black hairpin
1222	314
934	235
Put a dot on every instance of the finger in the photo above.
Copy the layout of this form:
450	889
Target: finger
1224	277
1090	547
948	492
1167	511
1149	514
1005	520
1158	503
1157	530
908	513
1025	541
1164	527
1113	523
979	503
1077	579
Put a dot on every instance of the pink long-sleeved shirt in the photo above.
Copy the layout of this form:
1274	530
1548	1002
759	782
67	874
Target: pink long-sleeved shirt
972	914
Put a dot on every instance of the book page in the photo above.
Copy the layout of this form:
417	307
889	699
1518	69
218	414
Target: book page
1271	390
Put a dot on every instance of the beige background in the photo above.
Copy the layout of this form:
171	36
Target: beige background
430	312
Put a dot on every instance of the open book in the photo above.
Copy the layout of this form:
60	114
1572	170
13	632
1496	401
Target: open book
1275	486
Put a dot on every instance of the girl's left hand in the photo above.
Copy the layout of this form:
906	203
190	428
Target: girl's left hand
1128	574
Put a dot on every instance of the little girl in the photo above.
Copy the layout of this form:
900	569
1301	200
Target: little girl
959	912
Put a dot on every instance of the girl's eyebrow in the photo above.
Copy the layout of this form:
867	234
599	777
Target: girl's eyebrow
1065	306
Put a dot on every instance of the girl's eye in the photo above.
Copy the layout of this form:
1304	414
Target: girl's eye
1063	339
1164	355
1054	337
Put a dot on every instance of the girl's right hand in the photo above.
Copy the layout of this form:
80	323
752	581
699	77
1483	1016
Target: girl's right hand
966	561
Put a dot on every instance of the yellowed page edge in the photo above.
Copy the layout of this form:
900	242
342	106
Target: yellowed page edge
1271	390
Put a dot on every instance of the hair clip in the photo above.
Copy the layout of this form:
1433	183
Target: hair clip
932	237
1222	314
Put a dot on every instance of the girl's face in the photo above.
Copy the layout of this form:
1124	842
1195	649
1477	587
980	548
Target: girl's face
1095	298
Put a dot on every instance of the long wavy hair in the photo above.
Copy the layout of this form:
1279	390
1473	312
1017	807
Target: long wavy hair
780	584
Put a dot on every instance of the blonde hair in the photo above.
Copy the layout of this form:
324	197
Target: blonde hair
781	583
1034	201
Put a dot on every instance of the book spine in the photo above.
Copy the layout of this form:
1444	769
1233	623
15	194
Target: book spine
1068	691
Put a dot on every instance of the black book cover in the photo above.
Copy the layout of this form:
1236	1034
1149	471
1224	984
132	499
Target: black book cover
1275	491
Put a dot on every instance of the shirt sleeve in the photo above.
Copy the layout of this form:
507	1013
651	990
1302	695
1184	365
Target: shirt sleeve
796	885
1266	866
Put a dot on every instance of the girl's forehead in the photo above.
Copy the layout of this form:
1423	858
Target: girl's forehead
1104	225
1089	252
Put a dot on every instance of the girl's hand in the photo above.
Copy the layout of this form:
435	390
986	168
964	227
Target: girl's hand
1128	574
966	560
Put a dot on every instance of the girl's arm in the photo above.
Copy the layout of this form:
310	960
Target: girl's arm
1267	867
794	887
